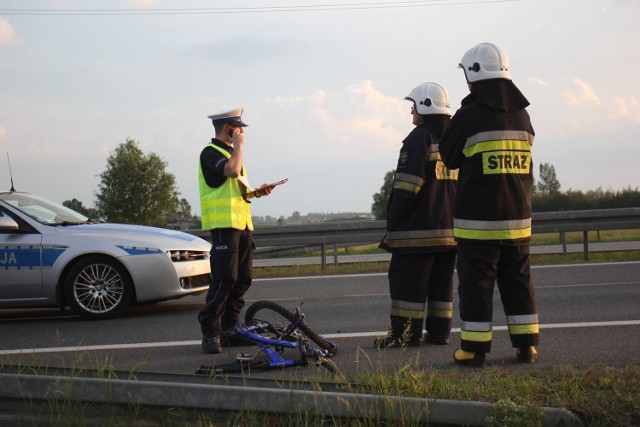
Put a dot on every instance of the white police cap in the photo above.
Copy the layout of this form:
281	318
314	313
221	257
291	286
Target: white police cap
232	117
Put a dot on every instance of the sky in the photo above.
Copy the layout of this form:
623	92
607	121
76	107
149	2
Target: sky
322	84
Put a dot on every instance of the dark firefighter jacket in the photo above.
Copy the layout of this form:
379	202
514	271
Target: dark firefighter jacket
420	207
489	139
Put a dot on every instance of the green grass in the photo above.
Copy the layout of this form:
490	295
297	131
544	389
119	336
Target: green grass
382	267
598	396
605	396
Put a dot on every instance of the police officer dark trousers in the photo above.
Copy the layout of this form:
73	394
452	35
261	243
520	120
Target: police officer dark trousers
231	277
420	228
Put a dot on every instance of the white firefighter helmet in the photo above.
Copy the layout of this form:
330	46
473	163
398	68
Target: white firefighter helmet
430	98
485	61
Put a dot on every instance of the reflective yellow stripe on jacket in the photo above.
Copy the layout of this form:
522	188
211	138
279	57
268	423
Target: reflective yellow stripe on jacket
411	183
442	172
492	230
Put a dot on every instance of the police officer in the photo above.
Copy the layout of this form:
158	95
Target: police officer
226	212
489	139
420	228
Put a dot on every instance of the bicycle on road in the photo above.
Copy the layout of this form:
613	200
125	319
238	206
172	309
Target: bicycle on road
275	330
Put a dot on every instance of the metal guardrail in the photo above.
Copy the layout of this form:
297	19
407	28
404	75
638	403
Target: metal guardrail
363	232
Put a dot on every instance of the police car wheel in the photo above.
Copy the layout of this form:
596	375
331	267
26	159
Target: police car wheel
98	287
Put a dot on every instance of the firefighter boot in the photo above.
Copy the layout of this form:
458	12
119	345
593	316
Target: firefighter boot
396	337
526	354
467	358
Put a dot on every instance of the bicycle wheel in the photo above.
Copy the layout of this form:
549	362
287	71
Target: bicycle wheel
279	318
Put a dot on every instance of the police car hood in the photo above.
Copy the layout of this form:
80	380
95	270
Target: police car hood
138	235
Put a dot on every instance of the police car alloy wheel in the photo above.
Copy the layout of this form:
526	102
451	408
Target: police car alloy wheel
98	288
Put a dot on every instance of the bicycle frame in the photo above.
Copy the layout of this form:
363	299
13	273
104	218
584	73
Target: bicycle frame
269	345
272	341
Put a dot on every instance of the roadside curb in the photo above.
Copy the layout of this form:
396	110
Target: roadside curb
271	400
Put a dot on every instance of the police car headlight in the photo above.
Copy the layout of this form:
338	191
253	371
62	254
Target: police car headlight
183	255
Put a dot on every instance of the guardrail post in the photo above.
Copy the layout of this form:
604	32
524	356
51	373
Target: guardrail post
335	254
585	241
563	240
323	254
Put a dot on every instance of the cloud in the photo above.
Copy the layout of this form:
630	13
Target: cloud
626	108
3	132
360	115
583	94
358	112
537	81
8	36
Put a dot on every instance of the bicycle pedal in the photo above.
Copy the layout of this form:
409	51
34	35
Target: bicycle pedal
244	357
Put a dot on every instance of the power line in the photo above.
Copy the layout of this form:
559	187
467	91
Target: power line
240	10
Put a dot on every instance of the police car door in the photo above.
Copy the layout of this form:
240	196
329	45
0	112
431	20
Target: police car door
20	262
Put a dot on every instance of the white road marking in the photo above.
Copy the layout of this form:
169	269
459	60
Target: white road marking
330	336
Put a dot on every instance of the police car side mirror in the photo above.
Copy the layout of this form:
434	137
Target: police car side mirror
8	224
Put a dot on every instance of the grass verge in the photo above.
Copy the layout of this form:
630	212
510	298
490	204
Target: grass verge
383	267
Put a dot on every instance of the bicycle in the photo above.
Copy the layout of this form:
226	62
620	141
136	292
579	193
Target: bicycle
275	329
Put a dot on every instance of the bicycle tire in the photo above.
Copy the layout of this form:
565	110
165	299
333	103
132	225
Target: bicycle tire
268	311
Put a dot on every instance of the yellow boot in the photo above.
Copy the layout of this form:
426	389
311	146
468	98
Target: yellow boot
468	358
526	354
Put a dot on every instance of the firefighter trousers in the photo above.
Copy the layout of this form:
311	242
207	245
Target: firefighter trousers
231	276
482	265
414	278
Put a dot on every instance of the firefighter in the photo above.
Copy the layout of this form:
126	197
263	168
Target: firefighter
420	228
489	139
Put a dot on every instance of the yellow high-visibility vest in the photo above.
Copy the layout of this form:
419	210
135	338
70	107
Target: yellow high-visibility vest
224	207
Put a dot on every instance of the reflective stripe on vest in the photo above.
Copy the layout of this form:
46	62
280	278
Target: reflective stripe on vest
224	207
492	230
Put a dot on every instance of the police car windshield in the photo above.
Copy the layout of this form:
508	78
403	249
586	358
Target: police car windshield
43	210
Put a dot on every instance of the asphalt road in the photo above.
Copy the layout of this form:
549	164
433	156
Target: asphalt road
589	314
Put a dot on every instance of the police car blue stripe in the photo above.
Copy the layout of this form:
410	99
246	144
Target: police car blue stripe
28	257
134	250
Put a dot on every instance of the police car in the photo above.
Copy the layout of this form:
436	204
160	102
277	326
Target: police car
51	256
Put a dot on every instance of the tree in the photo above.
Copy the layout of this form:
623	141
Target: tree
76	205
548	183
135	188
379	206
184	209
